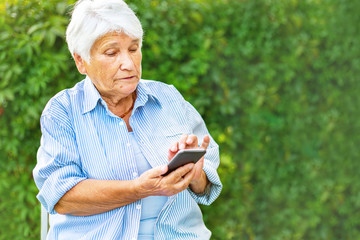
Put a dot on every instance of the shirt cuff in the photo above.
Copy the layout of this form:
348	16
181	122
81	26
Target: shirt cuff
212	190
56	186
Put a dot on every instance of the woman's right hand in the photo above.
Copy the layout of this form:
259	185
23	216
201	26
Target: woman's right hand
152	183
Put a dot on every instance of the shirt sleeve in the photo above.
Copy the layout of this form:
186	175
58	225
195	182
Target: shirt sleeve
58	166
212	158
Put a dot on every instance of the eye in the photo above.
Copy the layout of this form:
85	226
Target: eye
110	54
133	49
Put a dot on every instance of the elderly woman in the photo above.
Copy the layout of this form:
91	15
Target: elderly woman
106	142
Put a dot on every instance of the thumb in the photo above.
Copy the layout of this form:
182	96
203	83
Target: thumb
205	142
158	171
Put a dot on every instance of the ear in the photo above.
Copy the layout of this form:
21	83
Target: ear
80	63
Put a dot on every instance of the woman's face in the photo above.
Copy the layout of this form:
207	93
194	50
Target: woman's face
115	65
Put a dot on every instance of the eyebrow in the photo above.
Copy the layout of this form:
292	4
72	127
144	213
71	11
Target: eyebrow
115	44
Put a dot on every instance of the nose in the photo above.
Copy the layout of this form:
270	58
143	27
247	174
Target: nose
126	63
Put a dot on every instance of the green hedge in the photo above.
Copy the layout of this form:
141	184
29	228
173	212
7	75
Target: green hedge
276	81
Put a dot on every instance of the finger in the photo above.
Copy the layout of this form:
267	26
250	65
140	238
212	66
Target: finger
182	141
186	180
174	148
191	141
206	141
180	172
199	168
157	171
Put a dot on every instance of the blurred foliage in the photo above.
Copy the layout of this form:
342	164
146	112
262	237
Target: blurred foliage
277	82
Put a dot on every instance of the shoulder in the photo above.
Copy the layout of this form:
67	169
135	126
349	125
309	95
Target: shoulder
62	102
161	90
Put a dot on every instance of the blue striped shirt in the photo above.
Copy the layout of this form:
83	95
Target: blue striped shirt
82	139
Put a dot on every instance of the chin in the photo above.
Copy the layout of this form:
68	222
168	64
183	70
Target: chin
128	88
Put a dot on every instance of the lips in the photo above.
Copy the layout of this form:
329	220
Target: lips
127	78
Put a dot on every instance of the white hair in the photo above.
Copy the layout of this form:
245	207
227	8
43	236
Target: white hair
92	19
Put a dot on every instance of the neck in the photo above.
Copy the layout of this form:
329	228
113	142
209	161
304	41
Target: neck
119	106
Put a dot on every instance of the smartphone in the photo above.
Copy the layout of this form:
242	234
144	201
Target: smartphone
183	157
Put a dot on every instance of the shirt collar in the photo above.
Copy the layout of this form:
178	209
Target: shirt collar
145	94
92	96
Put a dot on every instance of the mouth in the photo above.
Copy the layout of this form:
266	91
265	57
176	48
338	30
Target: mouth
128	78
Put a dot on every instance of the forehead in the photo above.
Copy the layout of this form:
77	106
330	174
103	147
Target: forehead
115	39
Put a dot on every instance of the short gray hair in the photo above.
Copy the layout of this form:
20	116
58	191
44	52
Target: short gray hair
92	19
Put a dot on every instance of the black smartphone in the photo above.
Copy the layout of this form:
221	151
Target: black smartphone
183	157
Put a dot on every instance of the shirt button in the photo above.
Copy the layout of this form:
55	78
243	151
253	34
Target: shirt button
138	207
135	174
129	144
133	239
121	123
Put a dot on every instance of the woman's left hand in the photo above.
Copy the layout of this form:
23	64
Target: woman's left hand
200	180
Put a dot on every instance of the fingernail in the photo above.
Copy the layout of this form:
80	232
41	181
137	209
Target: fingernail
173	148
182	146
